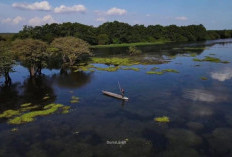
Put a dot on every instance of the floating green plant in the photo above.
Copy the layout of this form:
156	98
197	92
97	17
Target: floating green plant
14	129
74	100
134	69
155	72
30	116
26	104
114	61
204	78
170	70
154	68
109	69
9	113
163	119
88	67
193	55
210	59
46	98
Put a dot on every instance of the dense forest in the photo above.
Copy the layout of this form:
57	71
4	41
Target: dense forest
118	32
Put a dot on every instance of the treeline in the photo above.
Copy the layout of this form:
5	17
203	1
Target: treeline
118	32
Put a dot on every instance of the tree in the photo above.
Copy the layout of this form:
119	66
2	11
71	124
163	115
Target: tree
71	48
103	39
32	53
6	62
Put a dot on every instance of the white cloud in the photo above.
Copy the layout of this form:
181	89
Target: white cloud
43	5
181	18
223	75
65	9
36	21
101	19
14	21
116	11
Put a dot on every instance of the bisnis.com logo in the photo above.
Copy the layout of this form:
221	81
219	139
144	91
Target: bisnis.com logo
117	142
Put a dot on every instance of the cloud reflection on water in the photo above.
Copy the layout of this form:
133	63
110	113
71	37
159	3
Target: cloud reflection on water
204	95
222	75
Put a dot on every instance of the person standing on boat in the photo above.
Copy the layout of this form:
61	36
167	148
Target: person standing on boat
123	92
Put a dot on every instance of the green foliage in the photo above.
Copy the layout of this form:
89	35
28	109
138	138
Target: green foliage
74	100
155	72
162	71
210	59
32	53
163	119
204	78
71	48
103	39
114	61
121	33
134	69
134	51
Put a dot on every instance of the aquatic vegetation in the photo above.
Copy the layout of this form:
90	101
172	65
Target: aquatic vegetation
155	72
204	78
14	129
46	98
210	59
154	68
109	69
9	113
162	71
88	67
74	100
134	51
193	55
163	119
30	116
114	61
170	70
134	69
26	104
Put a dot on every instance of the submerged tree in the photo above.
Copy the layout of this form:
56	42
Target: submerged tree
32	53
6	63
71	49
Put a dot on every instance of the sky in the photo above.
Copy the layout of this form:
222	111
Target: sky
213	14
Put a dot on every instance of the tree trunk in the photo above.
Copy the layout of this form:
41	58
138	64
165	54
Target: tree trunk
32	71
7	78
64	59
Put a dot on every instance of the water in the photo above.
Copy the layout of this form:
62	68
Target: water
200	111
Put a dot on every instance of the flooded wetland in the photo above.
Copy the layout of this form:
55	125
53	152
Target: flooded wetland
179	104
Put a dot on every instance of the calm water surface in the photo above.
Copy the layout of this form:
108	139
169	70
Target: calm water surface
200	111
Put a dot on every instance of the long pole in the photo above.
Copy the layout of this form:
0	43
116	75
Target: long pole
119	87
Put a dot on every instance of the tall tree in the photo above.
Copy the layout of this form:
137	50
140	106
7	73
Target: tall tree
71	48
6	62
32	53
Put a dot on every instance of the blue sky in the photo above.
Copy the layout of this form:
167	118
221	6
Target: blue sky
213	14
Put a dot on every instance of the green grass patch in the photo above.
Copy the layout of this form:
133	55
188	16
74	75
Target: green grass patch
25	115
163	119
155	72
30	116
204	78
131	44
210	59
170	70
74	100
134	69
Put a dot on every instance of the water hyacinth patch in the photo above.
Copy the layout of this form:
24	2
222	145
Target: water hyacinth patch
163	119
74	100
210	59
24	115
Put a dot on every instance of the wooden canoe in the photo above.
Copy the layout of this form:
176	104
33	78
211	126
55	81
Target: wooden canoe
118	96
